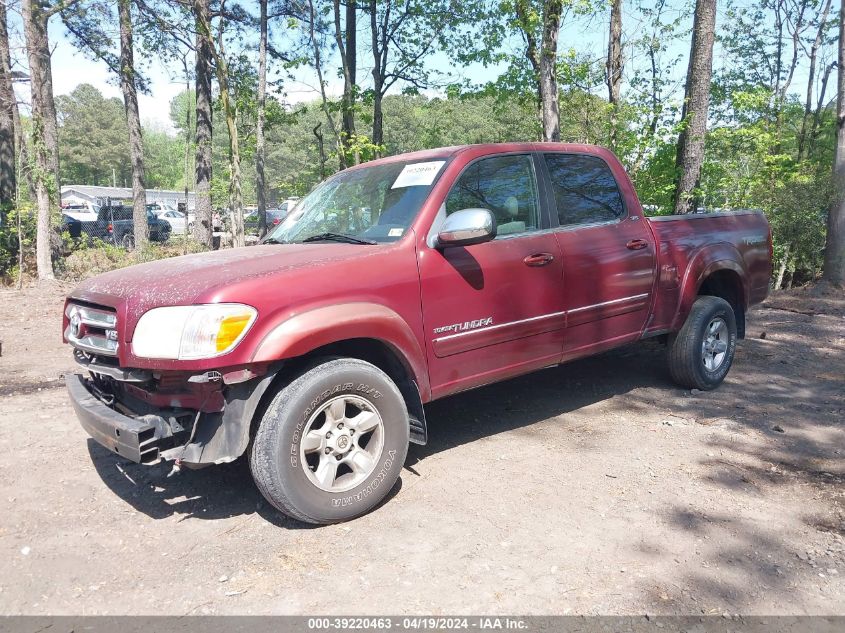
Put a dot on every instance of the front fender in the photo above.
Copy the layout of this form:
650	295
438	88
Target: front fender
304	332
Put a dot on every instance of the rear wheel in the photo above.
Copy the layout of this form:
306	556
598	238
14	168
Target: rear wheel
701	353
332	442
128	241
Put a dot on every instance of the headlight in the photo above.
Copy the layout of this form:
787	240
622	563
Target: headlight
188	332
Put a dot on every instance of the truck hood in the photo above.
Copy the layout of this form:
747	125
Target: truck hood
195	278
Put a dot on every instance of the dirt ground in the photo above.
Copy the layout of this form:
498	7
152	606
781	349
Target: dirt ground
593	488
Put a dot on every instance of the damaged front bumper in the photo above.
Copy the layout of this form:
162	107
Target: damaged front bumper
140	439
130	416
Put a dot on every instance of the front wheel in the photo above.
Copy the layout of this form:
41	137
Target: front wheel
332	442
701	353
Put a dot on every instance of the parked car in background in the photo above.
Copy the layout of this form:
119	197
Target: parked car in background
275	216
71	225
176	220
115	225
159	208
82	211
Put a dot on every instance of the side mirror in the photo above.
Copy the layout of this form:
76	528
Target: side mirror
467	227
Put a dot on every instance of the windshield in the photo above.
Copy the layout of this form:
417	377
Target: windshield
375	203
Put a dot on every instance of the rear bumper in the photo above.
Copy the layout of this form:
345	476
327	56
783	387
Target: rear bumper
133	438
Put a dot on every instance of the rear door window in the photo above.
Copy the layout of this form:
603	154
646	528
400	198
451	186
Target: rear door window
584	188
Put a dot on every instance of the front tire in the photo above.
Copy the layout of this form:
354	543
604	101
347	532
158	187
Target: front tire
701	353
332	442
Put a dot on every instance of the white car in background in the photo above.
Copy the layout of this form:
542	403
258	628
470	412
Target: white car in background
159	208
176	220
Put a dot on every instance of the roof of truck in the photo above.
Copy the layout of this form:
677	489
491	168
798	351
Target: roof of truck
483	148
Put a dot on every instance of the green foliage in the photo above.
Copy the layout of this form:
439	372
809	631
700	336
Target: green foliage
752	157
93	140
9	248
164	160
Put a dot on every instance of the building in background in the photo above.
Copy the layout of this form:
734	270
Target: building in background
99	196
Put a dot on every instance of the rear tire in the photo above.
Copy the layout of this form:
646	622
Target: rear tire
332	442
701	353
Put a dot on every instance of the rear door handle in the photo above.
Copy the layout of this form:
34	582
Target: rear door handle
539	259
636	245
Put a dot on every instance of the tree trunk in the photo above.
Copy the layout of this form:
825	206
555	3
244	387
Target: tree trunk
614	67
324	101
544	61
378	45
44	130
8	104
548	71
260	149
834	253
378	116
781	268
347	46
236	203
690	156
321	151
813	136
141	228
202	209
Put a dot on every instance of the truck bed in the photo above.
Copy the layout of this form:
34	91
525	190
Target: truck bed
681	241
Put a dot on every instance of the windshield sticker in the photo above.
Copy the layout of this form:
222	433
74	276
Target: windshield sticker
418	174
395	232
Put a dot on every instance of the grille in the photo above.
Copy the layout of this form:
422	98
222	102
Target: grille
92	329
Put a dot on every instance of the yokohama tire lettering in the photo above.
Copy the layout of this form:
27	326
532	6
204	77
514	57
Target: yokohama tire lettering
371	487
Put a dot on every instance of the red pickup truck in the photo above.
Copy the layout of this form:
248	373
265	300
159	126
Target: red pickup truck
392	284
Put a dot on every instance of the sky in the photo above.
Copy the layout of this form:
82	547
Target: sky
71	67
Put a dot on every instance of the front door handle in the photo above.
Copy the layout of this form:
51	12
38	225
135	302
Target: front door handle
636	245
539	259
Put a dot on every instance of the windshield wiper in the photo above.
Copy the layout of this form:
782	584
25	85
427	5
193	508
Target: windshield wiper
338	237
272	240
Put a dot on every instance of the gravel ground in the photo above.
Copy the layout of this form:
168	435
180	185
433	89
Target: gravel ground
593	488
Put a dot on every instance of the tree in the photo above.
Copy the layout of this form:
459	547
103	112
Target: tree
317	45
260	146
45	137
204	130
614	67
8	106
347	46
133	121
93	138
402	36
807	132
834	254
696	106
216	48
542	54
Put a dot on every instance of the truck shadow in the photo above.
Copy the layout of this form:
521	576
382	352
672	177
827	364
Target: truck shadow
227	490
217	492
548	393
